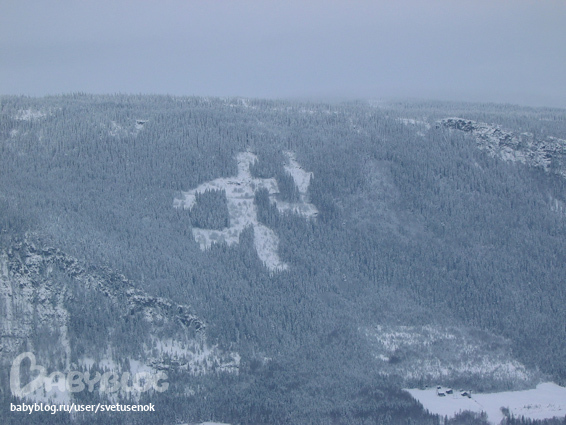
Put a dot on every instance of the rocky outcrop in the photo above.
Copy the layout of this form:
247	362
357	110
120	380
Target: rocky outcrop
548	153
46	295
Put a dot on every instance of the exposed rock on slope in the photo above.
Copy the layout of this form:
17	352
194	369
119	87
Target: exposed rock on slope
71	315
548	153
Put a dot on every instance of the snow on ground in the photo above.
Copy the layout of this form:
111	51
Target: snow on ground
266	242
240	192
208	423
302	178
117	130
139	367
548	400
197	357
435	353
214	423
29	115
54	396
412	121
557	205
86	362
140	124
509	146
107	364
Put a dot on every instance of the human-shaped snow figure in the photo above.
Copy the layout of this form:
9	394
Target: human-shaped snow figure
240	192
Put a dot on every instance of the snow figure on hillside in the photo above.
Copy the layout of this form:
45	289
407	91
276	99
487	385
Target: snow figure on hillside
240	192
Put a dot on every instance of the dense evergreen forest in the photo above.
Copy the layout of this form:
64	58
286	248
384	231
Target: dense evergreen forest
416	227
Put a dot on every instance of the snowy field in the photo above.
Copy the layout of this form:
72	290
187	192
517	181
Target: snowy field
546	401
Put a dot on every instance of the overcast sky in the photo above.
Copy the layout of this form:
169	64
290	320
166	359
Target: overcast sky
473	50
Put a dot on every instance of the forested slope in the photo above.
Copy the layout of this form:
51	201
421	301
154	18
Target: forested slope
418	232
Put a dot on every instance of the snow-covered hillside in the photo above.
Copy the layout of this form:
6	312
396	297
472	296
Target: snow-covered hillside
240	191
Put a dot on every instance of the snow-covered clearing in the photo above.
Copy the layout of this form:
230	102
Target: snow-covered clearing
546	401
208	423
439	354
214	423
240	192
412	121
129	129
196	357
557	205
29	115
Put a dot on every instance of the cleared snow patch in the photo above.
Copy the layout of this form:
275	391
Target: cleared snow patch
240	192
118	130
207	423
198	358
115	129
140	124
214	423
412	121
302	178
557	205
29	115
548	400
87	362
434	353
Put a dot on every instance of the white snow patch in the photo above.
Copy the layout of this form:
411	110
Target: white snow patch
412	121
115	129
557	205
214	423
139	367
87	362
119	130
197	357
54	396
302	178
29	115
438	353
208	423
266	242
240	191
140	124
107	364
548	400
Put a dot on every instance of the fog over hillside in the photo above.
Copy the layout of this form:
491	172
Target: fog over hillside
481	51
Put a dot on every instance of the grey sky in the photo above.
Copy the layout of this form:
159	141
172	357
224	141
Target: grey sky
497	50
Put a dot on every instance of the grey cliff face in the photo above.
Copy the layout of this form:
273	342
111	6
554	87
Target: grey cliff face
548	153
49	302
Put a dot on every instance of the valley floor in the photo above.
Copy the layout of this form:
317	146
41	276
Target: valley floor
546	401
